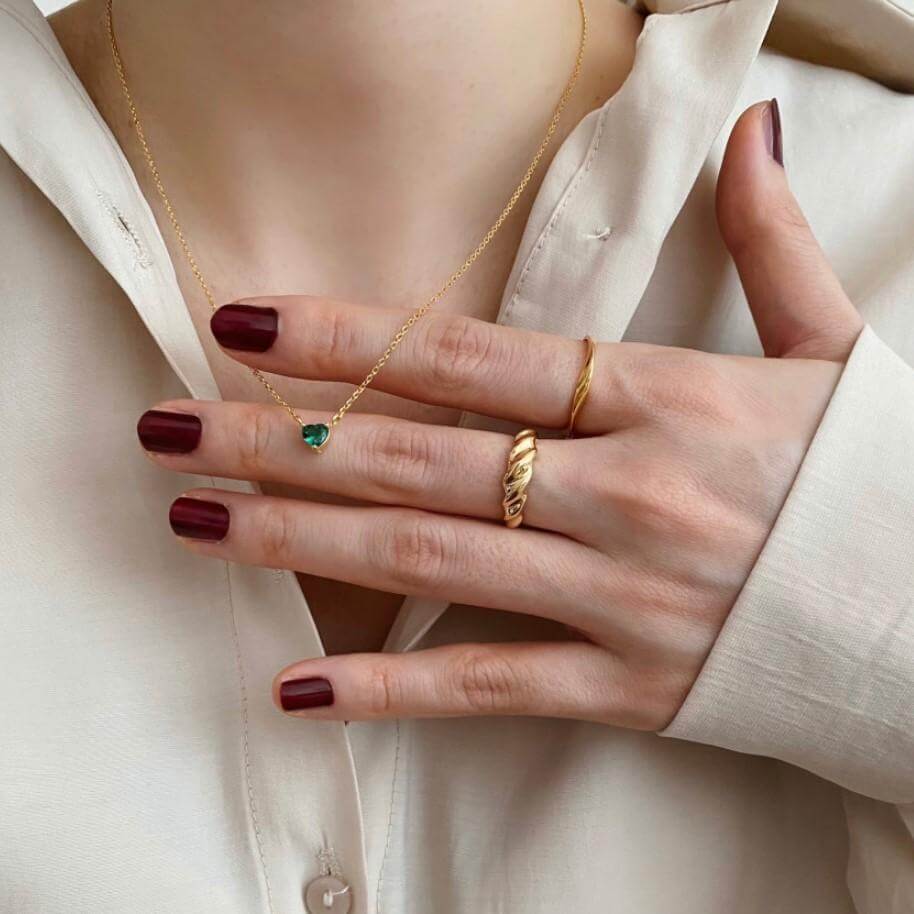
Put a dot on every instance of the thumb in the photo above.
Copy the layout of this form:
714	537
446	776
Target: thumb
798	305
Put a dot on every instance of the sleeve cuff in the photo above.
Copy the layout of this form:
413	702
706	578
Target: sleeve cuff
815	664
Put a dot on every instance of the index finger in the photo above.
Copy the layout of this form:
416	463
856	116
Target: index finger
445	359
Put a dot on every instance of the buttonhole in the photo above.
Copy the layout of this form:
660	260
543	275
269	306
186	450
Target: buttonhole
601	234
141	257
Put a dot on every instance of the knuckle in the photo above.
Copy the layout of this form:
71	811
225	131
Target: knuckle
631	707
787	216
601	490
778	222
626	381
415	552
278	535
485	680
662	499
649	381
254	439
648	697
458	348
652	498
600	485
710	392
385	692
645	497
690	384
332	336
400	460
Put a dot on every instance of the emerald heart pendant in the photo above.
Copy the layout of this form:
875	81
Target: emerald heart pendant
315	436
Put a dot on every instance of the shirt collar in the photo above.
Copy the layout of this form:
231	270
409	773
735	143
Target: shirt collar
612	193
590	244
52	130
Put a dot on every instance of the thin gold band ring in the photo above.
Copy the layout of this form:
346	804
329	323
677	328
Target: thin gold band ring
518	476
582	385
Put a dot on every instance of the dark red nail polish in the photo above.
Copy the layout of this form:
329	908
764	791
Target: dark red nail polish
169	433
198	519
774	138
245	327
298	694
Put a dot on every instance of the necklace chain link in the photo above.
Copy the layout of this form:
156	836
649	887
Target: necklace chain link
424	308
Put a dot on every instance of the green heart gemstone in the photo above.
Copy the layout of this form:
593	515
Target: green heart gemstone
315	435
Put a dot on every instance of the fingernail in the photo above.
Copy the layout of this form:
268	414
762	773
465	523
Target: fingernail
245	327
298	694
169	433
773	135
197	519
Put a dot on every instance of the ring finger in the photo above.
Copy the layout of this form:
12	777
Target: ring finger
400	550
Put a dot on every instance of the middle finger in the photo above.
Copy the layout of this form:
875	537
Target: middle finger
381	459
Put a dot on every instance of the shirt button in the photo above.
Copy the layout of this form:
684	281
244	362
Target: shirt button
328	895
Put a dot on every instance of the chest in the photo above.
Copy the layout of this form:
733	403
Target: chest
288	256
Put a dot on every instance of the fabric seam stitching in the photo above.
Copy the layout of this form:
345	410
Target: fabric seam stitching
245	737
141	258
390	819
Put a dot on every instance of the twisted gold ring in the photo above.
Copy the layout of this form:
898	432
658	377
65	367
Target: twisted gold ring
582	385
518	476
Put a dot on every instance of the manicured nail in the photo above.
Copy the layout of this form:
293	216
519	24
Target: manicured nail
774	139
299	694
197	519
245	327
169	433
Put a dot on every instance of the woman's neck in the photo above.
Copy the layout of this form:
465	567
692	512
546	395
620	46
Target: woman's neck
353	54
410	106
398	83
345	71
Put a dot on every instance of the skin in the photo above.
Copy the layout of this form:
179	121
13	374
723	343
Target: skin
638	536
366	106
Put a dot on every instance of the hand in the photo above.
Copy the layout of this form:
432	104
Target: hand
638	536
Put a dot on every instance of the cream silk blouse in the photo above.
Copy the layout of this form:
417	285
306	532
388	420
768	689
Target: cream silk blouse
143	767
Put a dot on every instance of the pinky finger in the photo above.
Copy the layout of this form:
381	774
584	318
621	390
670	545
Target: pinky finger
570	679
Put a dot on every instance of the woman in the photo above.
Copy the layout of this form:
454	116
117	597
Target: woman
721	554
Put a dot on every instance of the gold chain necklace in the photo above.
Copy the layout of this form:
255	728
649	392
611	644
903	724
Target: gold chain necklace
317	435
